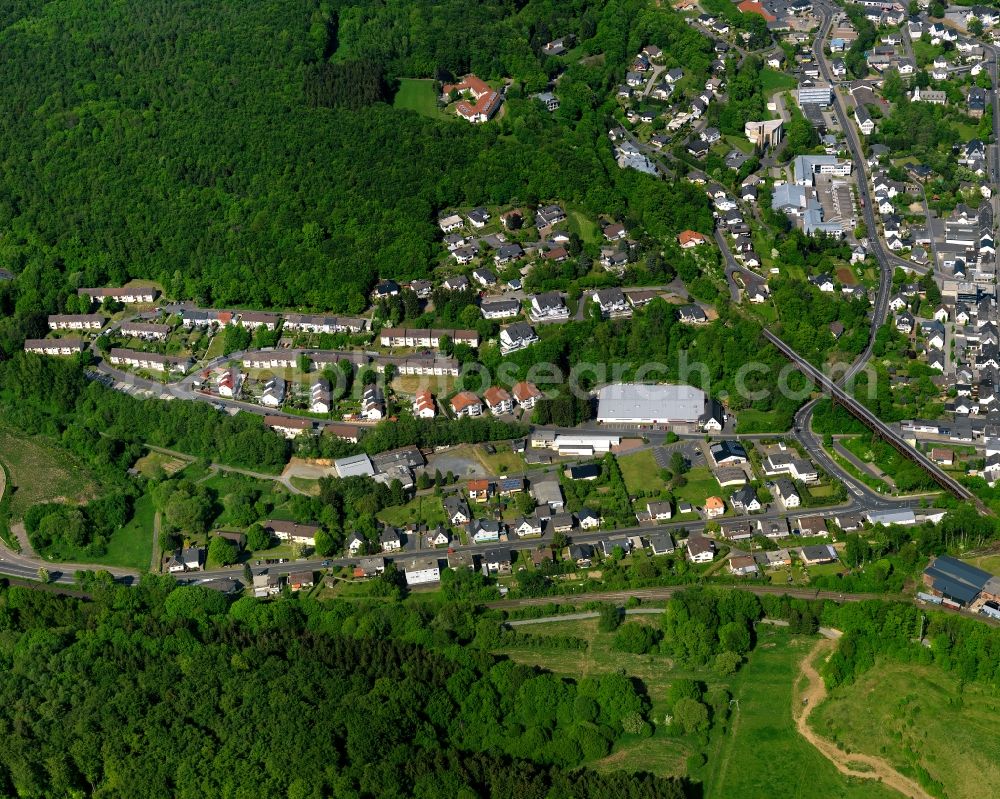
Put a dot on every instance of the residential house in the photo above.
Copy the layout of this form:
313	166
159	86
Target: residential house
291	532
424	406
516	337
786	493
497	561
773	528
421	571
714	507
548	307
484	531
390	539
480	490
76	322
500	309
498	400
581	554
528	527
466	403
745	500
661	543
700	549
815	555
457	510
743	566
526	394
811	526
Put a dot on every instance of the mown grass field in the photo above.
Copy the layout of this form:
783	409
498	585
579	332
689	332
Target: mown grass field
640	472
39	472
418	95
584	227
917	717
701	484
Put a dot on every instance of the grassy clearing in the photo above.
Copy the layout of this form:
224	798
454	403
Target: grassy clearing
771	81
763	754
739	143
640	472
418	95
919	717
751	421
655	671
217	348
423	509
503	461
701	484
132	545
311	487
39	472
584	227
152	462
439	385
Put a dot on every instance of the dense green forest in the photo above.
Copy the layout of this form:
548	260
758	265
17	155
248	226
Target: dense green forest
166	691
246	154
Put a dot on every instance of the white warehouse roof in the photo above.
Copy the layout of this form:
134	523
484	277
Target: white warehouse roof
637	403
355	466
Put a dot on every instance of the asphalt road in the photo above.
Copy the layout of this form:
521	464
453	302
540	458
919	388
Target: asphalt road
881	307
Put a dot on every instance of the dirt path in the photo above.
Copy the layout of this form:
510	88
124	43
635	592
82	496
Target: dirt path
812	696
18	531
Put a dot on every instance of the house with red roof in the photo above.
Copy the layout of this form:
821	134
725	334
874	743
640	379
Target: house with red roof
526	394
691	238
484	100
498	400
465	403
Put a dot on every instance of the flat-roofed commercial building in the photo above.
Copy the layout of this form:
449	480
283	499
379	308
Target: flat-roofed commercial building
636	403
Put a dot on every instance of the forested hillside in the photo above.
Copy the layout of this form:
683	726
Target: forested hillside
211	146
160	691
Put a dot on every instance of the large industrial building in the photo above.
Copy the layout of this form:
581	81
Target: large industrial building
960	584
637	403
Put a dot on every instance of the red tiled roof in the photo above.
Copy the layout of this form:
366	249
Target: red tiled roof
691	235
494	395
525	390
463	400
754	7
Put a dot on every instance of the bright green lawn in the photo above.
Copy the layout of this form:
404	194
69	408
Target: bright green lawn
701	484
584	227
418	95
640	472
